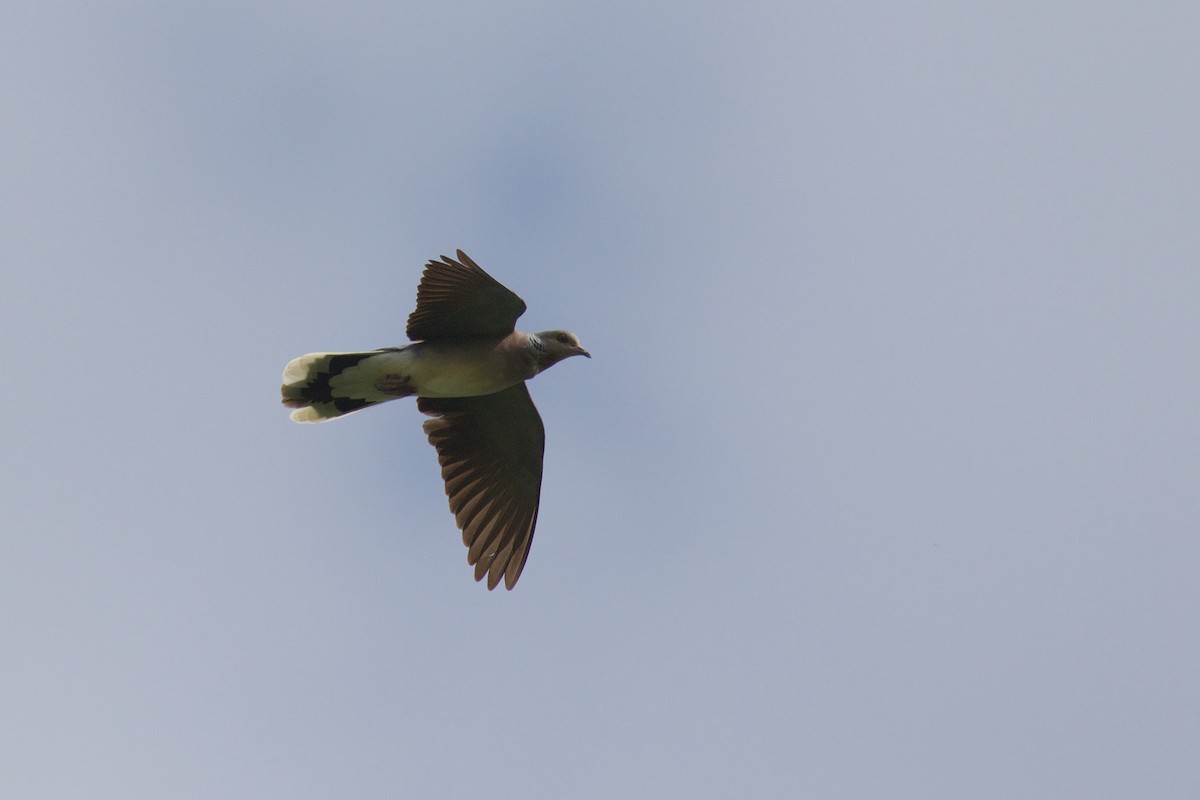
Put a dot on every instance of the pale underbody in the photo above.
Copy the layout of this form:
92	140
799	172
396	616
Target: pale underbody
465	367
457	368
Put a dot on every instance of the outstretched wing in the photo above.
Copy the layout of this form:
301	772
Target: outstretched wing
490	449
457	298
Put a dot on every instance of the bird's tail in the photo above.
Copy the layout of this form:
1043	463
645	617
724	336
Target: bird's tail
324	386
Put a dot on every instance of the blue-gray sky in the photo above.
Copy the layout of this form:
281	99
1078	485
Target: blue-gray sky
882	481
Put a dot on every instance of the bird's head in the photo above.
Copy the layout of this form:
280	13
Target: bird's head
554	346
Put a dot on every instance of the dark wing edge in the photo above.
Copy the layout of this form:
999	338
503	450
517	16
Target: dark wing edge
457	298
490	450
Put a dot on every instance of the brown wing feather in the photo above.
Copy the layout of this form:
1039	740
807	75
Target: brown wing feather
457	298
490	449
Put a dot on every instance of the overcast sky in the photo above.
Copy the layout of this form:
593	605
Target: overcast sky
882	482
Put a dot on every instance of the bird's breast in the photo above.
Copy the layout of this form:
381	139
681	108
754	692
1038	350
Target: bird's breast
464	368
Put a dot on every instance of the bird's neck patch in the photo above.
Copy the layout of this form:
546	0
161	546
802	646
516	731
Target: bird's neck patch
541	353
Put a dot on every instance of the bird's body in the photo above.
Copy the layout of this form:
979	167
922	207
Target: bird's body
467	370
470	367
465	367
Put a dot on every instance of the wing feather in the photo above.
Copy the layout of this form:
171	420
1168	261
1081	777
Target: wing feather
457	298
490	450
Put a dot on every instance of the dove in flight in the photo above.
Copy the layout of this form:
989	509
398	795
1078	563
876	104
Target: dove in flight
467	366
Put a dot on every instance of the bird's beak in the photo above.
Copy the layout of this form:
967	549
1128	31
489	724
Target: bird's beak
580	351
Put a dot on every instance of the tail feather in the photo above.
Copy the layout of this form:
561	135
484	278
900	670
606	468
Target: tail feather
324	386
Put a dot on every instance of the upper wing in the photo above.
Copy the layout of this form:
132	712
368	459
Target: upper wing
457	298
490	448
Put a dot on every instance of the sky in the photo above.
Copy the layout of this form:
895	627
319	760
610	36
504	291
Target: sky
882	481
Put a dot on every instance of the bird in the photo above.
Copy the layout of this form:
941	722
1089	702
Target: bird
467	365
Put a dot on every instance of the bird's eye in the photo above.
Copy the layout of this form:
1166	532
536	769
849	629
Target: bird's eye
562	337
